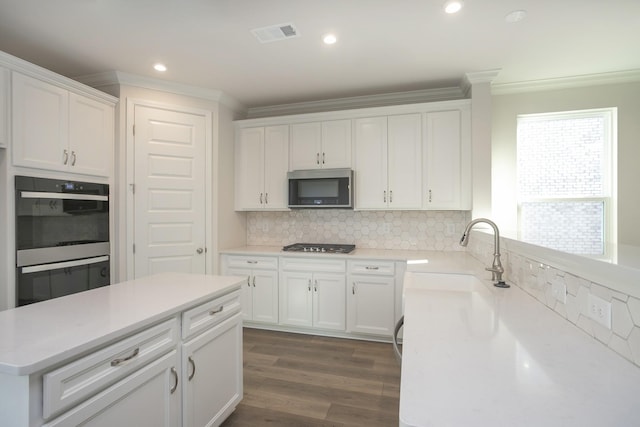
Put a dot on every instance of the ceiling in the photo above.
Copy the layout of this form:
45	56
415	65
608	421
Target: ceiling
383	45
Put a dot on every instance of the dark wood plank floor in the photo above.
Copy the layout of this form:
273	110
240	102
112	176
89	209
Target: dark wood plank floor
306	380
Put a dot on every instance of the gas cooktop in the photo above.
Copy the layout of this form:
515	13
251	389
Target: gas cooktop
329	248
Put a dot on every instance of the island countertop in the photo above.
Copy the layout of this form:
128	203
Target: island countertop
497	357
41	335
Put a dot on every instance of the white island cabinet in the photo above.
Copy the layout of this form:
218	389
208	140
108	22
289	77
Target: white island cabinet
163	350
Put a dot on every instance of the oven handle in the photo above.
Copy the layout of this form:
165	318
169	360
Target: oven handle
63	196
65	264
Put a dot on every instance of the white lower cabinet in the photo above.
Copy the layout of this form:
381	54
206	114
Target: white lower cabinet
260	291
212	374
185	371
312	293
371	297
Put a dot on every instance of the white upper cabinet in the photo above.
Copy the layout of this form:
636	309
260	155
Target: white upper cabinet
320	145
261	168
447	160
58	130
4	107
388	162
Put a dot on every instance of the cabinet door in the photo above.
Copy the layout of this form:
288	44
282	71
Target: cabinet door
90	136
276	164
4	107
40	124
336	144
329	301
212	374
371	305
265	296
296	299
304	151
249	185
150	397
405	161
371	163
442	160
247	291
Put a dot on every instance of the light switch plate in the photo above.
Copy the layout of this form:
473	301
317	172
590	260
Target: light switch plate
600	310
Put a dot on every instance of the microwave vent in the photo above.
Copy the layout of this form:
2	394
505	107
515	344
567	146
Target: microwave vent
275	33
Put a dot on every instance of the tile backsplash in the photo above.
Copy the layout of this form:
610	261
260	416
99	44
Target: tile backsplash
537	279
414	230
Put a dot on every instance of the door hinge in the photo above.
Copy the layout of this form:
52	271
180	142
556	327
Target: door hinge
134	248
134	130
133	188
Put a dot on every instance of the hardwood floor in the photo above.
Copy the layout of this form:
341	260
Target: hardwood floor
306	380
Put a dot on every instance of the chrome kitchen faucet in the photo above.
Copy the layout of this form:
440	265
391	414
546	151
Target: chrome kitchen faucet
496	268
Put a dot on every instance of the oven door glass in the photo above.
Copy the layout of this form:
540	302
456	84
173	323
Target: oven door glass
42	282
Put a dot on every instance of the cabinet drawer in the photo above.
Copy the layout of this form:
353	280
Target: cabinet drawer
386	268
261	262
313	265
210	313
85	377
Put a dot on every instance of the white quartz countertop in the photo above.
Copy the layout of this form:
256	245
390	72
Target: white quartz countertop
358	253
40	335
498	357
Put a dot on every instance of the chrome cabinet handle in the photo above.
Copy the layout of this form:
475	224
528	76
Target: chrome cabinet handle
353	288
260	198
317	158
384	196
249	280
368	267
254	281
315	286
390	196
175	385
118	362
73	158
65	157
429	196
309	286
193	369
266	198
323	158
250	261
212	312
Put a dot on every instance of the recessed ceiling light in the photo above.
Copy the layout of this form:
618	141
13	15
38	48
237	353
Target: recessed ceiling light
329	39
453	6
515	16
160	67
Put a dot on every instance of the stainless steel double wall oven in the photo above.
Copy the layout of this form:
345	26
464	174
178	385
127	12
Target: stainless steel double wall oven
62	237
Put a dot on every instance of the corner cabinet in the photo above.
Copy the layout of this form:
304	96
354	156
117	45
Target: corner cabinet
262	155
447	160
56	129
388	162
320	145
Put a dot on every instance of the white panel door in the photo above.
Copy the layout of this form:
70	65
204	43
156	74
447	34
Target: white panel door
336	144
371	305
170	198
249	185
371	163
296	299
90	136
305	146
276	164
265	296
405	161
329	295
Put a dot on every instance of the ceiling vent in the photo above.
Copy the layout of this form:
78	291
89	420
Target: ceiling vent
274	33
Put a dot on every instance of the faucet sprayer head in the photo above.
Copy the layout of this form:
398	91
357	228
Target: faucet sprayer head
464	240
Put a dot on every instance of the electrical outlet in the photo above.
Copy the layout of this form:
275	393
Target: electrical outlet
559	291
600	310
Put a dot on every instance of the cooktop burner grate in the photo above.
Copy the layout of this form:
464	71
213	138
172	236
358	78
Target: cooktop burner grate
329	248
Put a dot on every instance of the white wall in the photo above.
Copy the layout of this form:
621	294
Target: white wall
505	109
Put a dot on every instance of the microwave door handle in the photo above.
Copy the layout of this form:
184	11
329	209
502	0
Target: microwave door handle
65	264
62	196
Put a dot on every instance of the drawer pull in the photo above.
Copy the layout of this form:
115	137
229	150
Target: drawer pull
193	368
254	281
212	312
251	261
372	268
175	375
118	362
353	288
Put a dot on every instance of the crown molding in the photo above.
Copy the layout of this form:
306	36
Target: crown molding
615	77
477	77
357	102
109	78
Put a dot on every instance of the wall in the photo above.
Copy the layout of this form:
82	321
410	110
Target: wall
505	108
417	230
537	277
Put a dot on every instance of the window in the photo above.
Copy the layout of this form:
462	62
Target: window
566	179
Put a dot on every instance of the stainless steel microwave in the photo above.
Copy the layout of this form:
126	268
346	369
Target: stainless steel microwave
321	188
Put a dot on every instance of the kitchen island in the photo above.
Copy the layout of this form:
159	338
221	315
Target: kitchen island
114	355
477	355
